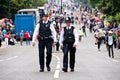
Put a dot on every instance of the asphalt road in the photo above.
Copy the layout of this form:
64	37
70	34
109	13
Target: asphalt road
21	63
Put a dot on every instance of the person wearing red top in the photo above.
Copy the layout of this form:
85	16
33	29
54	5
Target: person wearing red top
27	36
7	36
118	34
1	38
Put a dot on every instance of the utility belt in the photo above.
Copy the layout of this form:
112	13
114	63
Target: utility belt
69	41
44	37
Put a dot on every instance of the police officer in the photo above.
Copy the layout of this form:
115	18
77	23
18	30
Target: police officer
46	37
68	43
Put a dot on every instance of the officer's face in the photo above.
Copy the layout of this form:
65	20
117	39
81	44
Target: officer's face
44	18
68	24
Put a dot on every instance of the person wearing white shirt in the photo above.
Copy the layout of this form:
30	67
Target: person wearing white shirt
46	35
110	41
68	43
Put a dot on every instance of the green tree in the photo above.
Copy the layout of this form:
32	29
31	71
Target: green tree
108	7
93	2
12	6
117	17
3	8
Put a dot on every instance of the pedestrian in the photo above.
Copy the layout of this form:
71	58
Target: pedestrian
46	37
118	34
57	27
1	38
115	39
110	41
68	43
4	32
12	40
81	34
98	38
7	37
72	18
84	30
92	24
21	37
61	19
76	19
27	37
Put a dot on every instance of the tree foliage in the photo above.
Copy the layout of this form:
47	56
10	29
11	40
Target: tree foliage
117	17
108	7
10	7
93	2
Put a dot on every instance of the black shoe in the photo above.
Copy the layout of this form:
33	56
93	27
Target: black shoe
48	68
42	70
72	70
64	69
112	56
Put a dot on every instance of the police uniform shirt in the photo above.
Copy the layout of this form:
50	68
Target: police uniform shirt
75	33
36	32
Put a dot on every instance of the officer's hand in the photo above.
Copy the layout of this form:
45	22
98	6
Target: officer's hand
61	46
54	43
33	44
74	45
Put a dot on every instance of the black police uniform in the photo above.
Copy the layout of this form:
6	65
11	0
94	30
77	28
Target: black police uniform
68	42
45	40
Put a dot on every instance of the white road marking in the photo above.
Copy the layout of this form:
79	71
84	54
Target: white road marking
58	67
108	58
57	72
1	60
114	60
9	58
56	75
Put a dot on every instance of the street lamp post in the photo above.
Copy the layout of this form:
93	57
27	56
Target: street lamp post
61	7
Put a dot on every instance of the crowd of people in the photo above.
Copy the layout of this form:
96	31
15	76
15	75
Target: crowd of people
7	36
6	31
105	31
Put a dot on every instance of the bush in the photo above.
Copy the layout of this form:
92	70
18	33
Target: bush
110	18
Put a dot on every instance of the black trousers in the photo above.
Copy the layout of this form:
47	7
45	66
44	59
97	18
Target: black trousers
115	44
66	49
99	43
110	51
57	46
42	44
